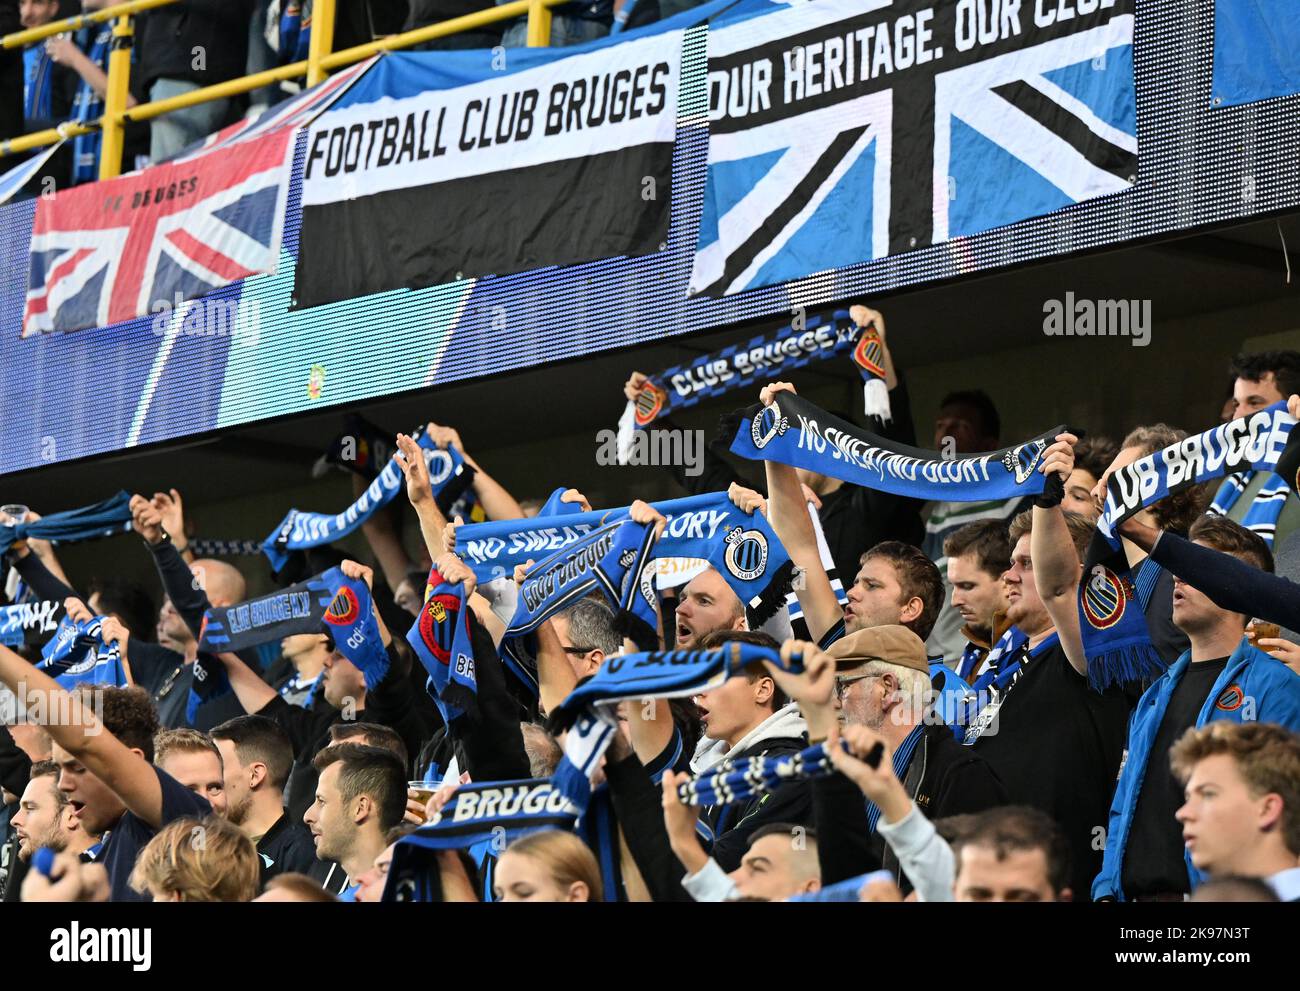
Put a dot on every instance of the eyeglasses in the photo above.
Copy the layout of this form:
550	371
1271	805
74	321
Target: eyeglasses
579	651
842	683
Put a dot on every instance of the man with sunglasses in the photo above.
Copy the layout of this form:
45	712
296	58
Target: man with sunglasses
879	678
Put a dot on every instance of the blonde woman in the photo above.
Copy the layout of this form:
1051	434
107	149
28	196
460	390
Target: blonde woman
198	860
549	866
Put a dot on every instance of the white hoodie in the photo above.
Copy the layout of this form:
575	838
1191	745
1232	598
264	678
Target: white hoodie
785	722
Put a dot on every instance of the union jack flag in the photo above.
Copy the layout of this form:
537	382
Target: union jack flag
114	250
110	251
846	130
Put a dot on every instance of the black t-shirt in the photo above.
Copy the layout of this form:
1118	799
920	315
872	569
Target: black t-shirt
1057	746
1153	857
284	848
130	835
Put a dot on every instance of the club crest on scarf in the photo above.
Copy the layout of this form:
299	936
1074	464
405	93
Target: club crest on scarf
1021	461
768	424
442	641
649	403
343	608
1105	596
869	352
746	554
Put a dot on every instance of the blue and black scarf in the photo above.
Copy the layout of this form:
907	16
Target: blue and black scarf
1262	516
1256	442
765	357
88	105
113	515
297	609
741	546
38	73
589	714
794	432
300	530
610	561
29	622
739	781
441	640
78	655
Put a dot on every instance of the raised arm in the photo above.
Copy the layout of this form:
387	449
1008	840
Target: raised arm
787	511
1055	561
123	770
497	502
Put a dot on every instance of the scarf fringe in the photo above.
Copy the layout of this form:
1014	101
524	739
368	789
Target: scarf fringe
626	431
773	596
875	399
1124	663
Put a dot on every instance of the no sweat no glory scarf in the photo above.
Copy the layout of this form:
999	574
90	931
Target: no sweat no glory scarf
300	530
741	546
795	432
762	358
610	560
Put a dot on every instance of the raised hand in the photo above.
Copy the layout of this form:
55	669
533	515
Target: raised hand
863	315
746	500
410	458
1058	459
444	437
171	512
356	570
573	495
455	571
642	512
769	391
146	520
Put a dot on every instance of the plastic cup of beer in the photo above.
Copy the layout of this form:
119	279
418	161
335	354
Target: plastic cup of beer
421	791
1259	629
12	514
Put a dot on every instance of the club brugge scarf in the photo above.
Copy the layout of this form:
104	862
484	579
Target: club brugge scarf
492	814
77	655
1004	654
763	357
609	560
590	711
739	781
1254	442
297	609
441	640
1116	640
300	530
113	515
741	546
26	622
350	622
794	432
1264	511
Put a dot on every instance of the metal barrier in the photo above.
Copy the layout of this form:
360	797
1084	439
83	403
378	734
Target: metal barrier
319	62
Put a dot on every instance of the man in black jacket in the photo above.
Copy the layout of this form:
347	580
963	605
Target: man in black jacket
879	677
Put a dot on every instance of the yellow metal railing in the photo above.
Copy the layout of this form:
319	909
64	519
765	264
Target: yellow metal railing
319	62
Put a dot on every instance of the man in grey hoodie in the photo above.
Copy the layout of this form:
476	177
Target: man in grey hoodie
749	716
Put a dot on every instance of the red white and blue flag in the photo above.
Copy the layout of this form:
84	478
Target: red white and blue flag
122	248
110	251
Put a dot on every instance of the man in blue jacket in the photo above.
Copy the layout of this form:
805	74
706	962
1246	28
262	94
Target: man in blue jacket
1222	677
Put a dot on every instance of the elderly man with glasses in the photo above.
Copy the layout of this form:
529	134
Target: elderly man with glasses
879	679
